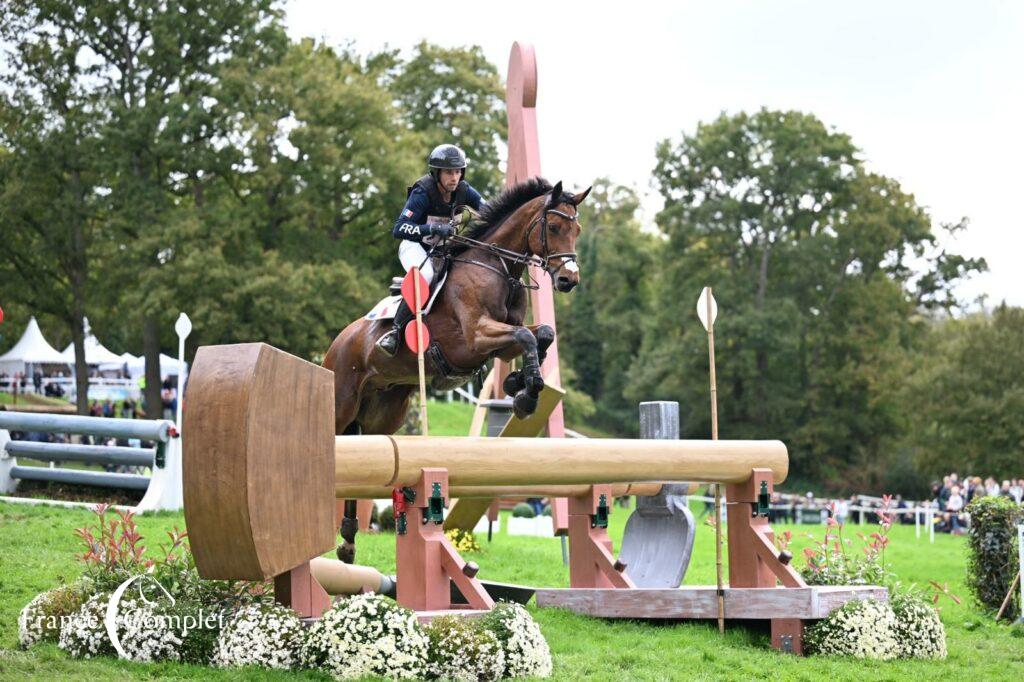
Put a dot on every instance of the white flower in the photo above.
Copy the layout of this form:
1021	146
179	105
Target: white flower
863	629
525	650
265	635
367	635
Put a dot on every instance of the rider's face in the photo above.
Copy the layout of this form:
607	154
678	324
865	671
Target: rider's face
449	178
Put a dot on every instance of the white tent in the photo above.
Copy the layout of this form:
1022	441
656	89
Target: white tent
31	350
95	352
137	365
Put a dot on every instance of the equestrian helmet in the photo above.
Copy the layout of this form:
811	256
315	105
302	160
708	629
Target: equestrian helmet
446	156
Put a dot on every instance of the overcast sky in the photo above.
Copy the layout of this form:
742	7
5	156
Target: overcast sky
931	92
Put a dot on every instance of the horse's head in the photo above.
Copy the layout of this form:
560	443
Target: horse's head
553	236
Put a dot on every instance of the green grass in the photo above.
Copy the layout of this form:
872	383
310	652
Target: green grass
31	399
448	419
37	549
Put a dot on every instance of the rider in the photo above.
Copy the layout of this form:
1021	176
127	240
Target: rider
426	219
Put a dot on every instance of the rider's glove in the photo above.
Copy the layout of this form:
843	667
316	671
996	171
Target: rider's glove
442	230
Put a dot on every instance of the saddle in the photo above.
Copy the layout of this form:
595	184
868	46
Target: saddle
388	306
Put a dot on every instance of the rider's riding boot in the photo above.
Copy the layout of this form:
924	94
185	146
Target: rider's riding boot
388	344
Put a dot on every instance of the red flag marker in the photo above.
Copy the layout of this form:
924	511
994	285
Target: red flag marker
412	336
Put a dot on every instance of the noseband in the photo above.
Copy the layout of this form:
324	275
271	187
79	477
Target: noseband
507	256
566	256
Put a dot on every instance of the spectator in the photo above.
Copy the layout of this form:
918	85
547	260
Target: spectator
991	486
108	408
1017	490
954	508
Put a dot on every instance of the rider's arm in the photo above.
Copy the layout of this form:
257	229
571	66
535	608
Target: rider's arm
473	199
411	223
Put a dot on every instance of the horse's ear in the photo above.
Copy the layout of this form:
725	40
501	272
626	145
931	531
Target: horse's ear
578	199
556	194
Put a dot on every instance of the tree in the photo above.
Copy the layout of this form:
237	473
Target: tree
602	325
967	389
49	186
808	255
455	95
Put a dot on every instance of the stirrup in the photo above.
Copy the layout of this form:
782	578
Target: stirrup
388	343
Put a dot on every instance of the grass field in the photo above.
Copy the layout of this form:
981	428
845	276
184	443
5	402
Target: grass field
37	548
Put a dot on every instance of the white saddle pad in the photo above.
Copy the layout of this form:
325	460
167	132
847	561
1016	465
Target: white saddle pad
388	306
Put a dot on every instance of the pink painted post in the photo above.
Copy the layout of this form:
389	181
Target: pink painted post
425	559
591	561
524	163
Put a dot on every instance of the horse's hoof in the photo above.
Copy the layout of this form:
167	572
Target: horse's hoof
346	553
534	384
513	383
524	404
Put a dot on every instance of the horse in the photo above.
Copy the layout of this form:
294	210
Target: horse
477	316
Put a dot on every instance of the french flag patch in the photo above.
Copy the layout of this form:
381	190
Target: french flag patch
407	213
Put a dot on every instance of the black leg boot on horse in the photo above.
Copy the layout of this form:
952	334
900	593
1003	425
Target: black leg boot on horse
389	343
516	381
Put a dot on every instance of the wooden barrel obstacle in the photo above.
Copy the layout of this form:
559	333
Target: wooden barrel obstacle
162	488
262	467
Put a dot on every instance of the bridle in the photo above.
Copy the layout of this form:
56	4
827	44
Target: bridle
542	219
506	256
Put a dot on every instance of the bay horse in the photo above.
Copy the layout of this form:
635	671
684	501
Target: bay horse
477	316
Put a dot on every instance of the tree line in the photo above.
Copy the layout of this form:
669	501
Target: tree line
166	156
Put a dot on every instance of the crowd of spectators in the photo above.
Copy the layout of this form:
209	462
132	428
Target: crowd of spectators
38	384
951	496
948	503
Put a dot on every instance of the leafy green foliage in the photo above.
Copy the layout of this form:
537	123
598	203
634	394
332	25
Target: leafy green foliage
523	511
992	551
602	323
967	388
809	257
455	95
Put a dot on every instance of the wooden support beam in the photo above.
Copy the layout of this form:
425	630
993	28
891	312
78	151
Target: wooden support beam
804	603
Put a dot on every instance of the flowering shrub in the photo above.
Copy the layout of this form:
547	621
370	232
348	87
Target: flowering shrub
463	540
918	629
461	650
199	628
84	634
525	649
862	629
367	635
145	635
829	562
40	620
268	635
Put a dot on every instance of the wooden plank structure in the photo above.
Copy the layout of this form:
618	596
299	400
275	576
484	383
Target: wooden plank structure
262	467
804	603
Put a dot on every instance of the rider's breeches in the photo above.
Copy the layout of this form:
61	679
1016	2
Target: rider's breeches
413	255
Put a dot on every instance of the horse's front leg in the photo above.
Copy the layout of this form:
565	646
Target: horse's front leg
516	380
507	341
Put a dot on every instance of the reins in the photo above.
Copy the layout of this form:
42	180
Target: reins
508	256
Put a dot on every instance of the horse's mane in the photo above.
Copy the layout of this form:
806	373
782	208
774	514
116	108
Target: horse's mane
498	210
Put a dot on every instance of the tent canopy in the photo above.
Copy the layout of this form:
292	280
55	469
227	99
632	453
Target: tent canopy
31	349
137	365
95	352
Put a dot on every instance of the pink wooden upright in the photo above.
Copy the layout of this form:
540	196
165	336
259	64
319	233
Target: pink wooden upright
524	163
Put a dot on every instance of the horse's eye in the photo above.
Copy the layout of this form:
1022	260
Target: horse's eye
554	229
